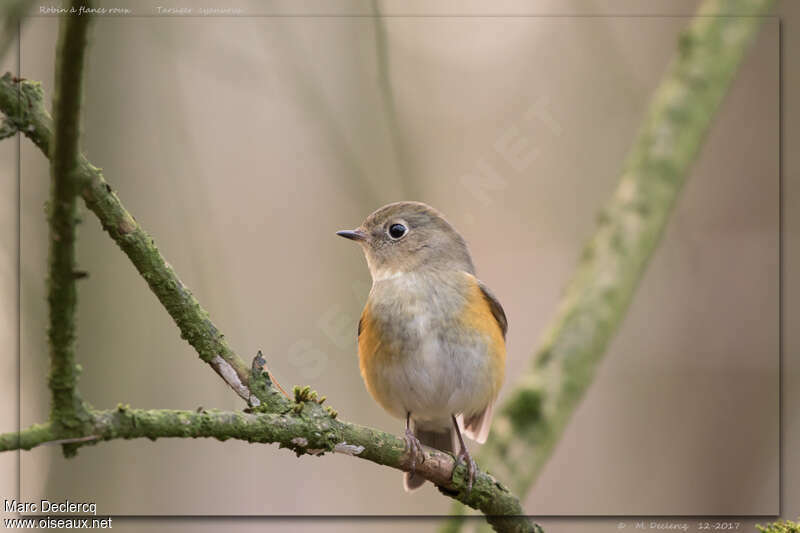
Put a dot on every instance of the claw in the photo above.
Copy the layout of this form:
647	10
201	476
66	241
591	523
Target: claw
463	453
414	449
469	462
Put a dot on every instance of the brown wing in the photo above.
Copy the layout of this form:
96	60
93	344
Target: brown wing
497	309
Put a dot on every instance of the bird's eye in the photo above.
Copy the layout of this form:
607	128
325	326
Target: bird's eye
396	231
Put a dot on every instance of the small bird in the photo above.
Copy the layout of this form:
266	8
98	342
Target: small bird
431	338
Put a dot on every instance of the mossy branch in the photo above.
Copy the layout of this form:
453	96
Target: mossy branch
67	409
302	425
530	422
306	429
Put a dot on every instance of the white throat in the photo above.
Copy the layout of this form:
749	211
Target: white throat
382	274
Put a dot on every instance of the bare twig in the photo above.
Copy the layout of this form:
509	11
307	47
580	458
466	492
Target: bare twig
74	440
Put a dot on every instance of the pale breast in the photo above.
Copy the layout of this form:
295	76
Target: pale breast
419	355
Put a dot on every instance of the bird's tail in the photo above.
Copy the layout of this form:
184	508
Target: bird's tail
441	440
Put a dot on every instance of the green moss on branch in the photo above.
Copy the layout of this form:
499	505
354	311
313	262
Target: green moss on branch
312	431
67	409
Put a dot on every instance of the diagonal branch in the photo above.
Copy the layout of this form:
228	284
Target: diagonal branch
67	408
529	424
22	102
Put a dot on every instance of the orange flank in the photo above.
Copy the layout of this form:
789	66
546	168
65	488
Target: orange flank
369	341
478	316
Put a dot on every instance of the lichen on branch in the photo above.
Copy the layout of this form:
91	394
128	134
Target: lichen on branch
307	430
67	409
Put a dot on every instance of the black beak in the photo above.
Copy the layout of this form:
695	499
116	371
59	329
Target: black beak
353	235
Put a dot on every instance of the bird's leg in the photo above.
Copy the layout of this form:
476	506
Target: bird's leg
463	453
414	446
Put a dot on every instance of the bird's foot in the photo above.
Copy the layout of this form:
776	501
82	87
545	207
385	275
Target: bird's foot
414	449
469	462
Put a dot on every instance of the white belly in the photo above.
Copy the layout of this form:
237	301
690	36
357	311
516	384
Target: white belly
436	370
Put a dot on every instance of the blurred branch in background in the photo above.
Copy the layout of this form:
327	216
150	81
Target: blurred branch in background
67	409
402	155
13	11
302	425
315	104
530	422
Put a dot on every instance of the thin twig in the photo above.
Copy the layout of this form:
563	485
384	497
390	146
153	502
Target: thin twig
73	440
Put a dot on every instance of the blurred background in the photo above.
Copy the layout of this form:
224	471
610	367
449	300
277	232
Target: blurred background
242	144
